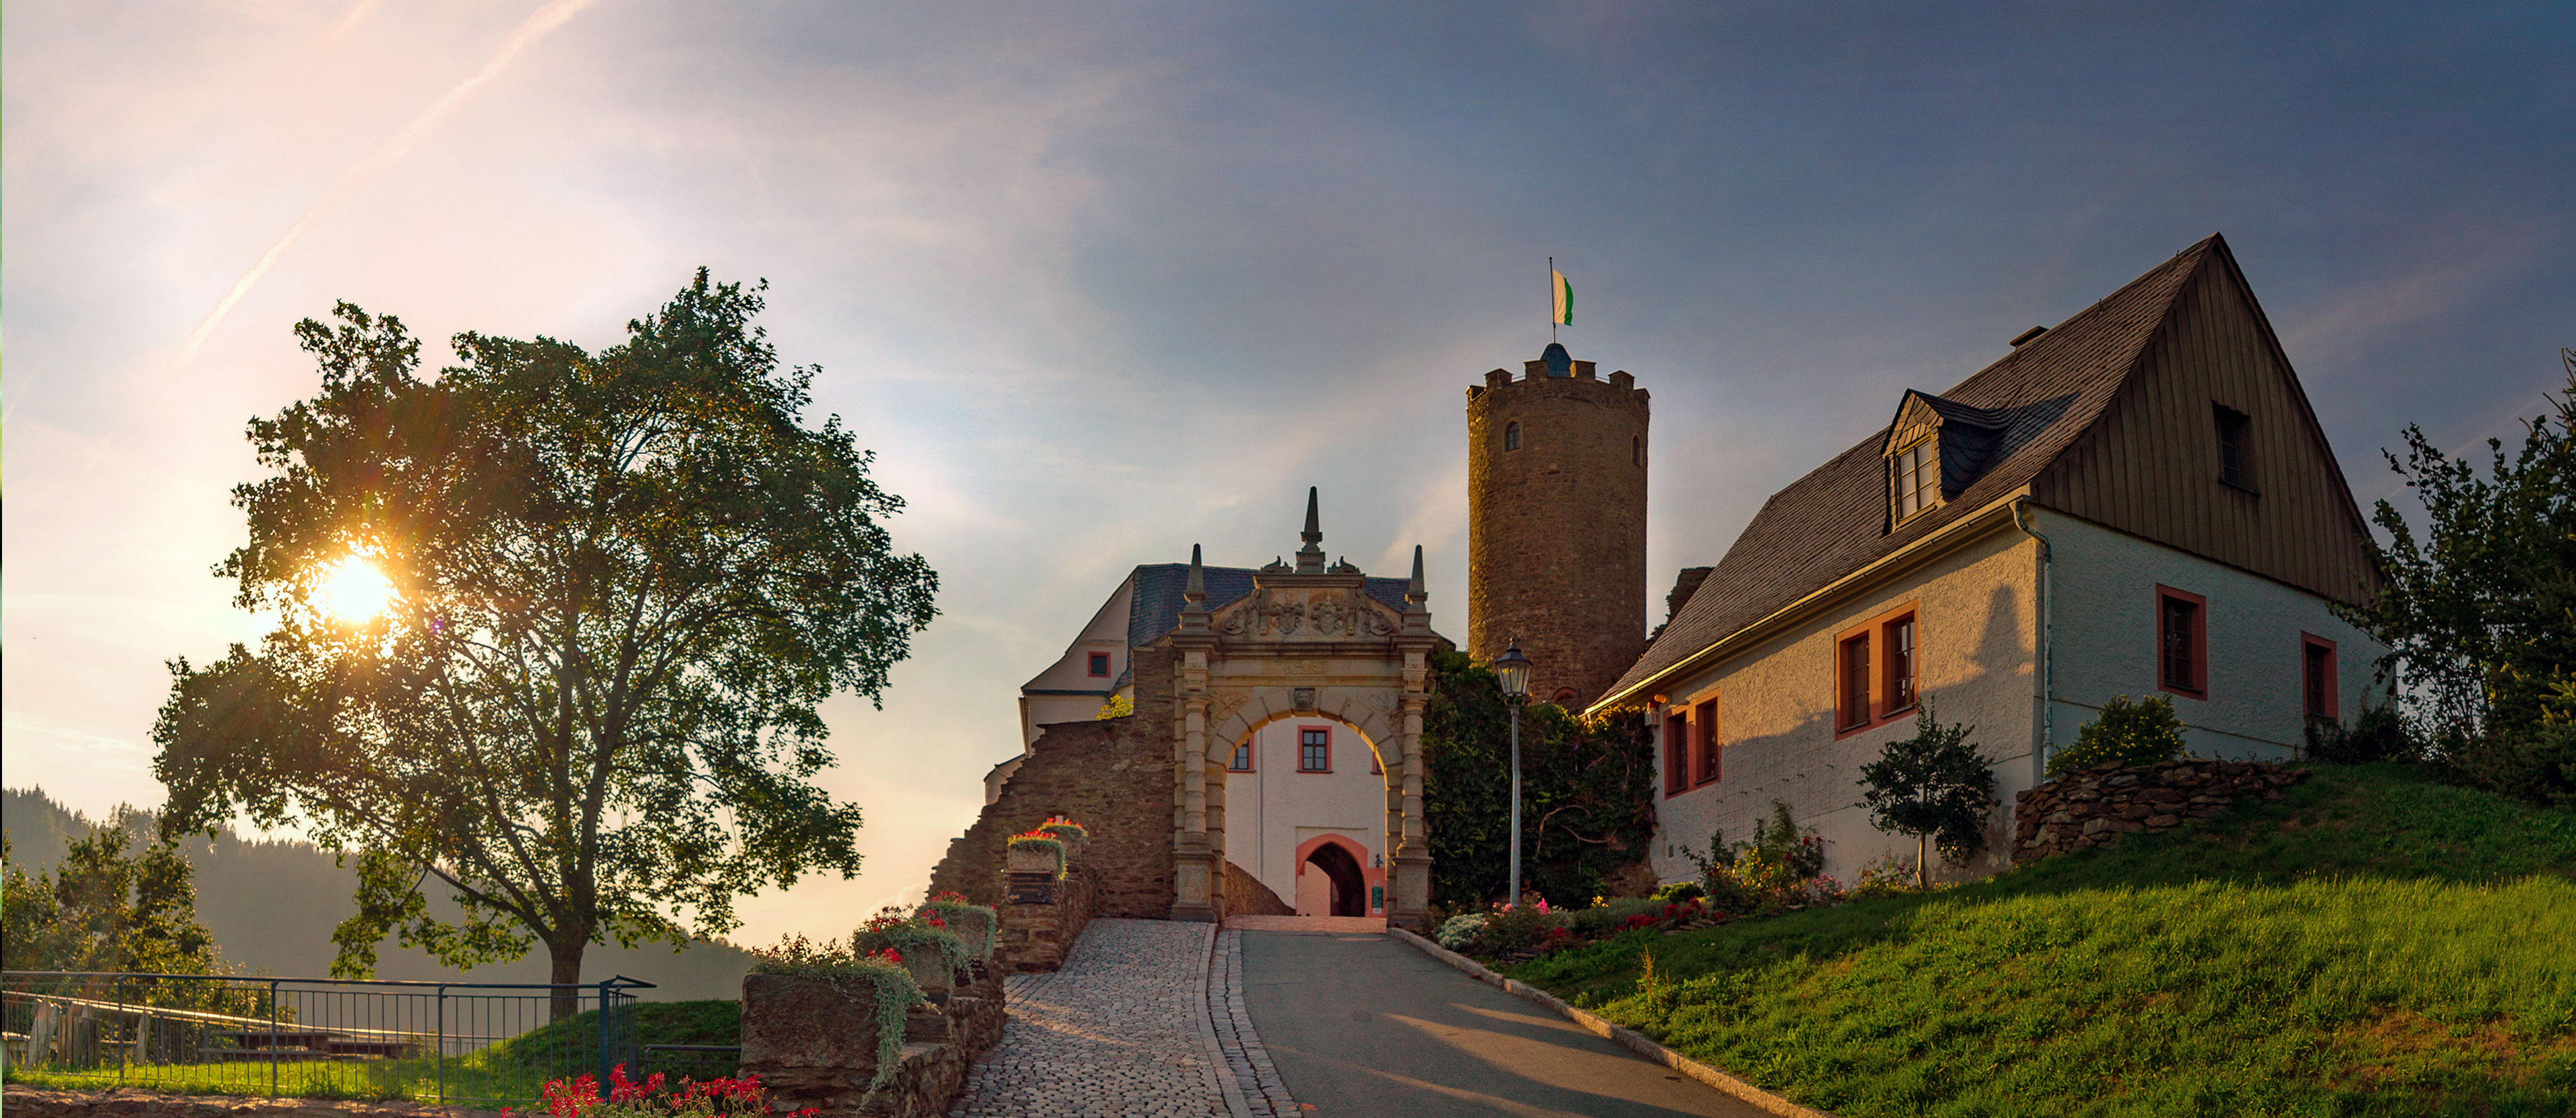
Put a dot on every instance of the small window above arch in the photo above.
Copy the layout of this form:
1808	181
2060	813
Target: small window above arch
1511	436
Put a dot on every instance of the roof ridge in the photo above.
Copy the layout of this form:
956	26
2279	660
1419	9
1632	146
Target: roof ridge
2201	246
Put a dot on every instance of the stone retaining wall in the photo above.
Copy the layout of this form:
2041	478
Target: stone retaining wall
1038	935
813	1042
2094	807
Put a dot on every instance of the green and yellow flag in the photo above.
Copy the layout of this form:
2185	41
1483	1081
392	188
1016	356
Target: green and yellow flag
1563	313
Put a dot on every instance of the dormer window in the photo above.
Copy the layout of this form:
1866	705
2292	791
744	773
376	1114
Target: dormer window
1935	450
1917	484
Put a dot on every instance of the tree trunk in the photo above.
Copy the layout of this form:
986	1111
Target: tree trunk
1922	861
567	976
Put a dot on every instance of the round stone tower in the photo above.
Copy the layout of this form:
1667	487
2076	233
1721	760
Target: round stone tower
1556	523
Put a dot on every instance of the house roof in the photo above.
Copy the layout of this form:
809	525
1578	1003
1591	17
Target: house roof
1156	607
1830	523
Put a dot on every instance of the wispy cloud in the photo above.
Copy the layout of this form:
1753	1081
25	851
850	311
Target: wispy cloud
537	26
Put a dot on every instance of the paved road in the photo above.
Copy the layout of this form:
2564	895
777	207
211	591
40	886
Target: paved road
1361	1024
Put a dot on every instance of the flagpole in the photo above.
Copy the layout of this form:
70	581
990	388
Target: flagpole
1551	300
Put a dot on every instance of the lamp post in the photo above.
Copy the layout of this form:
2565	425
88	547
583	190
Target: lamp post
1513	670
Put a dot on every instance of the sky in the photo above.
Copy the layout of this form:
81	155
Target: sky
1100	281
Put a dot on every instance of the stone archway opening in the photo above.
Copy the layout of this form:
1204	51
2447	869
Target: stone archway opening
1345	893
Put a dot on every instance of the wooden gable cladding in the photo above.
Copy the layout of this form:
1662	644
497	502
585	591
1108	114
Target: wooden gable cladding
2150	463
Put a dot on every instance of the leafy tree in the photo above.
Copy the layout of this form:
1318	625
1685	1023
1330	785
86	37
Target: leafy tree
107	907
2131	733
2480	615
1587	791
1935	786
623	583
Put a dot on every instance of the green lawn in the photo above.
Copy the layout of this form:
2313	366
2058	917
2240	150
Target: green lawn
2374	944
513	1071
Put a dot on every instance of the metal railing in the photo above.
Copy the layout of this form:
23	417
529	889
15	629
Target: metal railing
466	1042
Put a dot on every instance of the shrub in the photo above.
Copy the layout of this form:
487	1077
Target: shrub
950	904
1888	876
2378	735
1934	786
2130	733
1781	868
1460	932
1517	927
1679	891
891	930
1611	914
882	971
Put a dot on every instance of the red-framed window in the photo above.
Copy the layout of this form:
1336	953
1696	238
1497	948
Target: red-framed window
1377	767
1100	665
1708	764
2317	692
2182	643
1897	638
1676	753
1851	683
1242	761
1314	749
1878	669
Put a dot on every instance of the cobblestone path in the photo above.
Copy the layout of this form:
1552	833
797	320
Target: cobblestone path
1123	1031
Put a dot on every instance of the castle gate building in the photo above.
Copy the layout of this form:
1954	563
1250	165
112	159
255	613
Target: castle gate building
1306	656
1272	760
1556	523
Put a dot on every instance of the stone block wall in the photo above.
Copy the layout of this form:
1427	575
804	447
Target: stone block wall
1115	778
2094	807
813	1043
1245	895
1037	937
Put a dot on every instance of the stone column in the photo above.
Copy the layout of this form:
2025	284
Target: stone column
1410	894
1194	883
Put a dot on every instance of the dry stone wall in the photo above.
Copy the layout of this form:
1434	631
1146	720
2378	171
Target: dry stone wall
813	1043
2094	807
1115	778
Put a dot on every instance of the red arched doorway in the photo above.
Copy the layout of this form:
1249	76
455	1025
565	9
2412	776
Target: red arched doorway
1349	885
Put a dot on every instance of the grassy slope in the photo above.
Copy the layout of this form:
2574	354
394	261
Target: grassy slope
2374	944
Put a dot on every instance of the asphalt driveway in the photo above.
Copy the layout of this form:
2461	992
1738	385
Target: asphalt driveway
1361	1024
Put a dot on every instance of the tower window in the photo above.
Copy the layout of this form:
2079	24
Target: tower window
1637	449
1511	436
2231	446
1917	484
2182	642
1314	750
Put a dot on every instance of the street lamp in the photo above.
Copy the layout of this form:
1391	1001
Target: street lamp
1513	669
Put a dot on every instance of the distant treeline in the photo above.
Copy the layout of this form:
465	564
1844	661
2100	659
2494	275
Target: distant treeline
272	906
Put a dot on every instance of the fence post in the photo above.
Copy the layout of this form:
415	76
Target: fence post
442	1044
603	1036
120	1023
272	1038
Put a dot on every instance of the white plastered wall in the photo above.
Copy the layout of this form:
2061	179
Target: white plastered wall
1273	809
1976	631
1106	633
2106	624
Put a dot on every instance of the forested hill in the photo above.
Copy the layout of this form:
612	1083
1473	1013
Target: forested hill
272	905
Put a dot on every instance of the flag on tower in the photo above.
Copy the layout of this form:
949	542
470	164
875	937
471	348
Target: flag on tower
1562	314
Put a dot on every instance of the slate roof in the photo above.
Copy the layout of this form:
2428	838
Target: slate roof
1156	607
1832	522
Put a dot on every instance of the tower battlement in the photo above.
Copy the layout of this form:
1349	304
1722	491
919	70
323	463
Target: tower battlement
1556	522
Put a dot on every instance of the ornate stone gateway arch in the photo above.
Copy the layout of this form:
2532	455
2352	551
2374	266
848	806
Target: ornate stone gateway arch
1307	640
